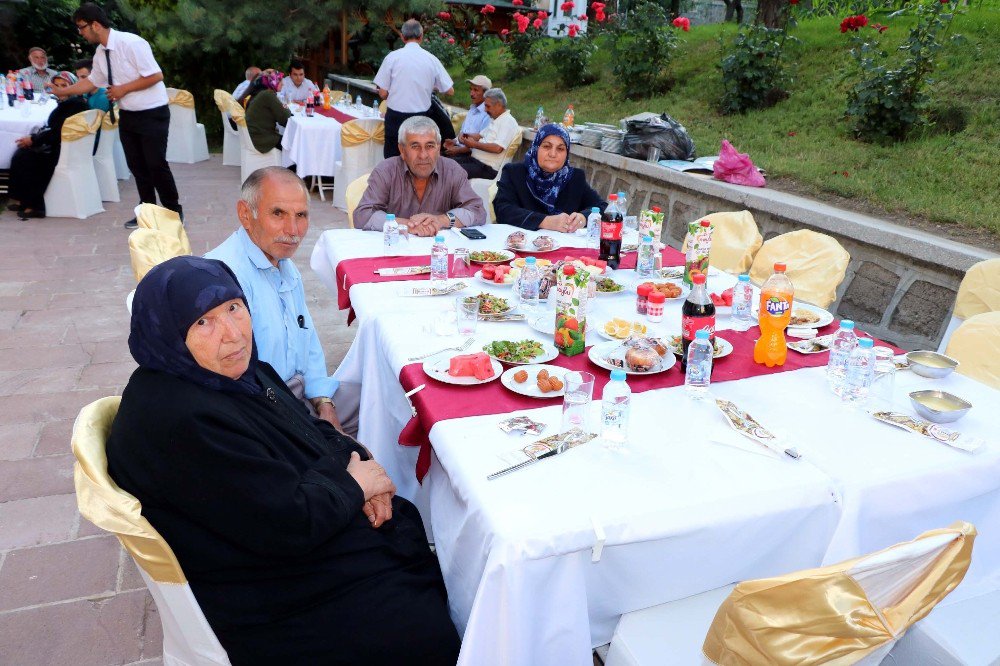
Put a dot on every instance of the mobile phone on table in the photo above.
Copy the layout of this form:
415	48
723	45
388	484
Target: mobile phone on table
472	234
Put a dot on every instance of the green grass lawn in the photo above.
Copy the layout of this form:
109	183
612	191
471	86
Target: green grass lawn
952	178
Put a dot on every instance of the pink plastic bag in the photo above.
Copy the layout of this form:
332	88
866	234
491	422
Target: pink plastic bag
736	168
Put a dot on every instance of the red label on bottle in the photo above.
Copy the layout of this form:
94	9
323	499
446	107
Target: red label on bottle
691	325
611	230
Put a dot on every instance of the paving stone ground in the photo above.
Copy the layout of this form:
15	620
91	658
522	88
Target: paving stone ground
68	593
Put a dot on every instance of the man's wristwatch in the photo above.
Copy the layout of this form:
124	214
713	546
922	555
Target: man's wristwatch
451	219
316	402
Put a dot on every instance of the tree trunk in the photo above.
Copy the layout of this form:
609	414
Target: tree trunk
772	13
675	8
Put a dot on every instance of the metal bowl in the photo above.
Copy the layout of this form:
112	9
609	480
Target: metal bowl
939	406
931	364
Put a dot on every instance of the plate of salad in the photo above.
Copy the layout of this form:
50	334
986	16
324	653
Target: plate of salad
492	305
491	256
520	352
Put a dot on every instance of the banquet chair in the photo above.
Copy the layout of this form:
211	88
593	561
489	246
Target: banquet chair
954	634
353	196
74	190
230	137
188	639
978	293
121	164
735	241
316	183
976	346
457	119
149	247
816	264
361	143
104	160
486	188
186	142
251	159
151	216
847	613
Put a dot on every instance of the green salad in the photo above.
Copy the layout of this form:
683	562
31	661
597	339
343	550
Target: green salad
520	351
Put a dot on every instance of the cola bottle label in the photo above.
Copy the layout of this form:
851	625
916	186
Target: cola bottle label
611	230
691	325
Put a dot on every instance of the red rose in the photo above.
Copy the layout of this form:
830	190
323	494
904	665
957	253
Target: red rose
444	16
566	7
573	29
522	22
881	28
517	3
598	6
853	23
543	15
683	23
504	32
537	23
488	9
862	20
793	2
451	40
600	16
945	2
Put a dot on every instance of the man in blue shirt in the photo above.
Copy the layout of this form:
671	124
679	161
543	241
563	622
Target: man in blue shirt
476	119
274	218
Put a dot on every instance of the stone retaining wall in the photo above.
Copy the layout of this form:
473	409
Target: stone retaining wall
900	284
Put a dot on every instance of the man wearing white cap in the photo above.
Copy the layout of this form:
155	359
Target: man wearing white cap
476	120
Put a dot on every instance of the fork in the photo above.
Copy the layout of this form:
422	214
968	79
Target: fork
462	347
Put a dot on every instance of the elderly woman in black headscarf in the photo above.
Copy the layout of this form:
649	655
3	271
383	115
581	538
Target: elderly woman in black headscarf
544	191
288	532
35	160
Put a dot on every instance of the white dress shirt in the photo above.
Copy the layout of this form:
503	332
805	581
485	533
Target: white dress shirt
294	93
411	75
475	121
131	59
500	131
241	89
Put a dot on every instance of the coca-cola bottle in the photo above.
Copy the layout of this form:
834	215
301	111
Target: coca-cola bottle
697	313
309	107
612	222
11	91
29	92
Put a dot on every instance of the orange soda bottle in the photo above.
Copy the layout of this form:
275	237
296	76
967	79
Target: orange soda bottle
775	312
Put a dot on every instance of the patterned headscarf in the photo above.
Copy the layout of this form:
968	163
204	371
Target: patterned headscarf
543	185
168	300
65	76
272	80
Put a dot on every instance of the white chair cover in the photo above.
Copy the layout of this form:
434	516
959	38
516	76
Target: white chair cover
356	161
230	143
186	142
963	633
252	159
482	187
188	640
104	165
74	190
121	165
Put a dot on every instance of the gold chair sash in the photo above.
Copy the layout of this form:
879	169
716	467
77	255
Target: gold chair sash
823	616
354	134
151	216
109	124
149	247
976	346
980	290
77	127
355	190
817	264
181	98
735	241
457	120
103	503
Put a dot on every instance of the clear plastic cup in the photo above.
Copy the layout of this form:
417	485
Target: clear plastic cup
576	401
461	264
881	394
467	314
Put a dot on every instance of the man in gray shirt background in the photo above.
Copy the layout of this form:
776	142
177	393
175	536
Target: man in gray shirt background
426	192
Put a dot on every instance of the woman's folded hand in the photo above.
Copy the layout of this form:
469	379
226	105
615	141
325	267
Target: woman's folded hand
370	476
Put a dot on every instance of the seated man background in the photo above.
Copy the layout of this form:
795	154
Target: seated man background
426	192
97	99
476	120
274	216
488	147
296	87
251	73
38	72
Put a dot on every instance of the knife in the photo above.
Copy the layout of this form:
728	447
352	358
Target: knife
529	461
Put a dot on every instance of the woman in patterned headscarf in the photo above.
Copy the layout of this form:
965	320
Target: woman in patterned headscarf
35	160
288	532
544	191
265	110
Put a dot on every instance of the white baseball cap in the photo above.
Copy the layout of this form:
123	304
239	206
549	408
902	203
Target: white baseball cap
481	81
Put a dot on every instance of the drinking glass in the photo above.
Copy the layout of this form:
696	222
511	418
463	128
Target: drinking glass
884	380
467	314
461	264
576	402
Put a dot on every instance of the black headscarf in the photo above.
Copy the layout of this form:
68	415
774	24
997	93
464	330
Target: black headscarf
172	297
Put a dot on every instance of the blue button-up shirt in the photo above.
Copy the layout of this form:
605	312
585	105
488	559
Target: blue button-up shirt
278	305
475	121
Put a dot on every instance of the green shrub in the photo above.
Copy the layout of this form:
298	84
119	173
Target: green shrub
571	58
753	75
641	48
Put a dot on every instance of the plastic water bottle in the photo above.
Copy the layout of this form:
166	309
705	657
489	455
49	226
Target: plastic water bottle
390	234
645	261
698	375
615	405
528	286
623	203
539	118
375	111
439	261
860	372
594	227
358	103
844	342
743	302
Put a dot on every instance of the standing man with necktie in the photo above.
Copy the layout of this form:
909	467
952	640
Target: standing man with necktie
124	64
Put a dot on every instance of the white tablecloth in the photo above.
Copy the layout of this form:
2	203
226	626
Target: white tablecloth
15	123
688	507
312	144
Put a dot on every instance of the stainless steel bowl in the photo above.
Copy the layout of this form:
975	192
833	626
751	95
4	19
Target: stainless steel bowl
939	406
931	364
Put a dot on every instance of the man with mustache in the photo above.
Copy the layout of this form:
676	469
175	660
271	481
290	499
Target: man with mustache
274	217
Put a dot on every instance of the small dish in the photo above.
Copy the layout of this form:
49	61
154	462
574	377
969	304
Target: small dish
931	364
939	406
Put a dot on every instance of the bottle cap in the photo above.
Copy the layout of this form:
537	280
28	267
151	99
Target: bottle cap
656	209
621	195
744	278
439	238
595	209
866	343
618	375
390	217
647	239
644	290
705	223
779	267
612	197
698	278
656	297
701	335
847	325
529	261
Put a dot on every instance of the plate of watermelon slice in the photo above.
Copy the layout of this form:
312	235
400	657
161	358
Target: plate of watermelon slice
498	275
723	302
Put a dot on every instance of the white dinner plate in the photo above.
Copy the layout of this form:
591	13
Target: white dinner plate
824	316
508	256
438	369
479	276
810	345
529	386
621	283
723	347
549	352
531	249
599	351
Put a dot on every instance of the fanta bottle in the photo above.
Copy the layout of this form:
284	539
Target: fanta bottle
775	312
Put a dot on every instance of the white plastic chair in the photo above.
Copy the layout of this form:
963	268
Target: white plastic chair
186	142
74	190
104	161
673	634
252	159
230	137
355	161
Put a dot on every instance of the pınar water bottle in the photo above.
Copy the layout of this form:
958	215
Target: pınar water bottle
844	342
528	286
390	234
860	372
616	403
743	302
439	261
698	373
594	227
